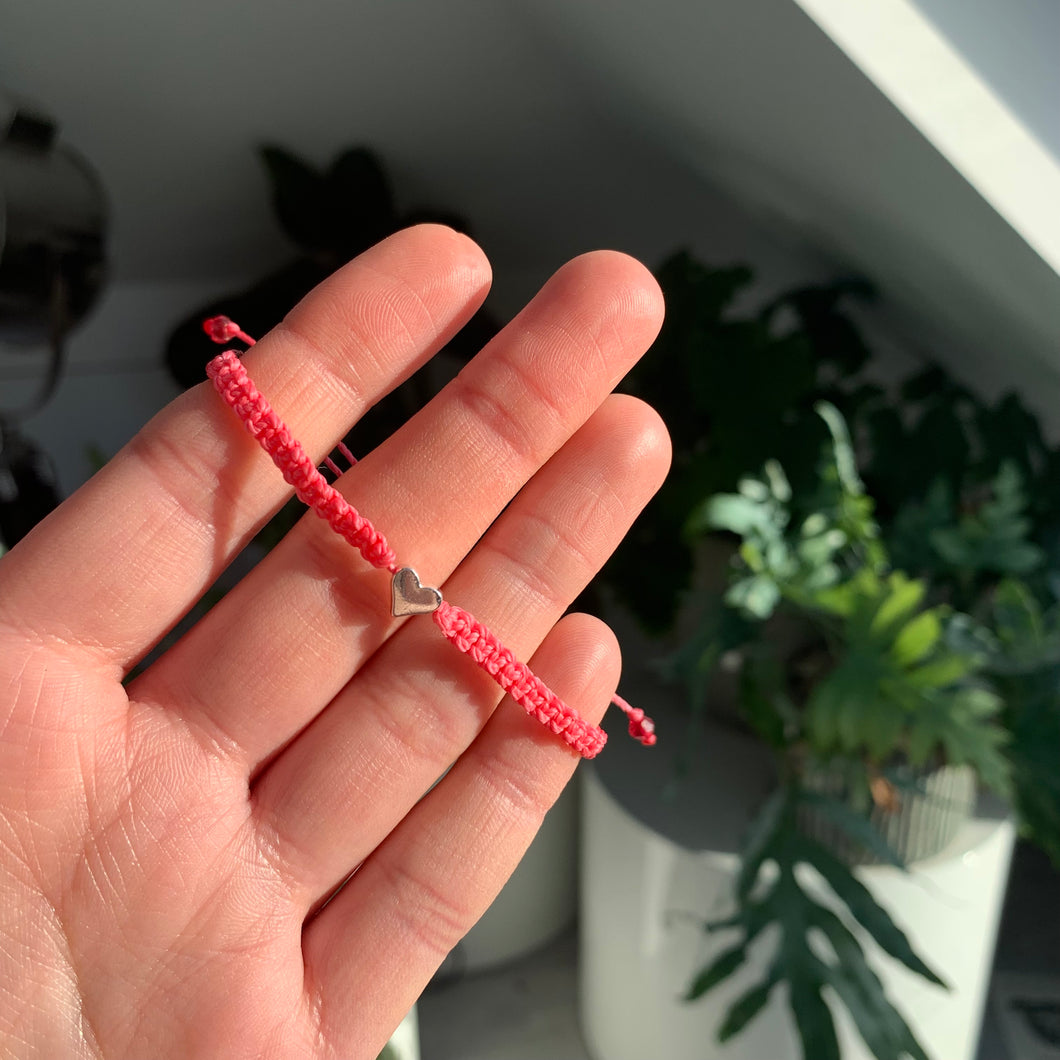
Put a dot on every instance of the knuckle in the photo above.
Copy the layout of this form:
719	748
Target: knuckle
428	915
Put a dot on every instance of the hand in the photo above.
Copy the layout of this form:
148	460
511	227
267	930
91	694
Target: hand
167	845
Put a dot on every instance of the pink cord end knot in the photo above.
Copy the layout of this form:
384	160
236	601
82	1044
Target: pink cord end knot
221	329
641	727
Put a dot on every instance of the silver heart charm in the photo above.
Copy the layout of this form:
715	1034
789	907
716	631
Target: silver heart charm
409	597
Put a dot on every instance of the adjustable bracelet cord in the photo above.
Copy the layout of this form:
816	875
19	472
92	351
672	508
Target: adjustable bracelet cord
461	629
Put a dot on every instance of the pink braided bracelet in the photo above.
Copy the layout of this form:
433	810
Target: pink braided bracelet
409	597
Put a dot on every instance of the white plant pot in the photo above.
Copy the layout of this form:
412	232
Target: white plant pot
404	1043
537	903
654	869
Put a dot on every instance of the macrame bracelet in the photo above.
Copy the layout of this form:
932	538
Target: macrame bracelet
408	595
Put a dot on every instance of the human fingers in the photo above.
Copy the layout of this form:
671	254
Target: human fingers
374	947
115	566
278	648
332	796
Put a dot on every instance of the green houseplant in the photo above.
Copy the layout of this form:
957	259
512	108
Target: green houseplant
903	546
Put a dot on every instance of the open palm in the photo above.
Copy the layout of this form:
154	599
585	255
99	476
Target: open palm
167	845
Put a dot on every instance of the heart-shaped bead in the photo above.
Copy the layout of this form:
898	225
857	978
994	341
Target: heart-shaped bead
409	597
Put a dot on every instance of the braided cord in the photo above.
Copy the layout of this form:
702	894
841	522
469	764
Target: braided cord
461	629
232	382
466	633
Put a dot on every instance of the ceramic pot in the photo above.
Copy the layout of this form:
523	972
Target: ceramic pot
923	816
658	860
404	1043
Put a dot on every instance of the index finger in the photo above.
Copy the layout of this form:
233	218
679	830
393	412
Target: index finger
122	560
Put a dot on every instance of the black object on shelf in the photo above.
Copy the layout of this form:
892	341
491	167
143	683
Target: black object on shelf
52	269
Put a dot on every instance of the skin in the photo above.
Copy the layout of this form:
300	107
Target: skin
167	845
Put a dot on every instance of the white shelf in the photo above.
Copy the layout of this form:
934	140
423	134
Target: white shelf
860	126
959	112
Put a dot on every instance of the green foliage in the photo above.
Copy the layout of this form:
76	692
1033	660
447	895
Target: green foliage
329	214
737	388
939	430
694	662
895	676
707	358
837	534
993	538
897	686
340	210
890	681
912	535
966	548
772	892
1025	669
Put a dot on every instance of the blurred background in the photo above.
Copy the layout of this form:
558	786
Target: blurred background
906	150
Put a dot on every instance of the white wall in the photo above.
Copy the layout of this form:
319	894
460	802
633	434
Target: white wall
470	107
466	101
508	113
1015	45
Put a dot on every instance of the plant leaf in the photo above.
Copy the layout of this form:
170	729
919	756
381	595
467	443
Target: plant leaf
758	596
902	600
823	713
760	835
880	1024
917	638
734	512
297	197
361	206
882	726
719	969
813	1020
921	742
843	450
941	672
744	1009
863	906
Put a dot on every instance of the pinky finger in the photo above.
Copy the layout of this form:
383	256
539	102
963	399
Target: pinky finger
372	950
